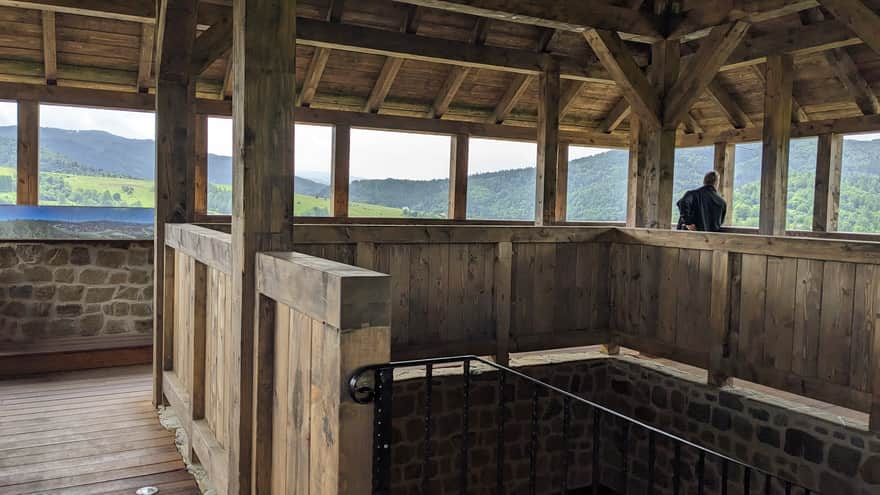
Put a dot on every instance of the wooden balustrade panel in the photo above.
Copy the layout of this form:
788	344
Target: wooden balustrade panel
184	301
557	288
343	253
217	354
661	300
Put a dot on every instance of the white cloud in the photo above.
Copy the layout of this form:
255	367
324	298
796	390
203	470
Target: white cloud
8	113
863	137
132	125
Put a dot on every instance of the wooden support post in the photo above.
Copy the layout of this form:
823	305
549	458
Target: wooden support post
458	176
262	192
777	134
200	165
548	145
874	421
725	165
503	288
720	371
339	175
175	151
28	183
826	201
561	212
651	165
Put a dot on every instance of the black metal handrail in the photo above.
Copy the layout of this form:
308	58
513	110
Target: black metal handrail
379	392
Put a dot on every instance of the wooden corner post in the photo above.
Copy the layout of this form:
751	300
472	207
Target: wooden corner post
28	153
341	170
458	176
548	145
175	152
262	190
829	165
725	165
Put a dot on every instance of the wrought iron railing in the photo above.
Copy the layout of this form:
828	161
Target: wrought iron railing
374	384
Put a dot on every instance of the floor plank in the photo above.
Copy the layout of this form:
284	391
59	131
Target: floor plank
90	432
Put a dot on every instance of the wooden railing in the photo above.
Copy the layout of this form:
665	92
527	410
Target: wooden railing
793	313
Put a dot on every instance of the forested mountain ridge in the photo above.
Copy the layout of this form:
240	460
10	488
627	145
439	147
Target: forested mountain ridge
597	184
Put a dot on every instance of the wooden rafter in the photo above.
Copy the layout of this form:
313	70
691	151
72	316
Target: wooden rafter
228	79
860	18
320	56
143	11
569	95
633	83
391	68
731	109
848	73
566	15
212	44
457	75
50	52
797	111
691	125
616	116
712	53
515	90
519	84
145	59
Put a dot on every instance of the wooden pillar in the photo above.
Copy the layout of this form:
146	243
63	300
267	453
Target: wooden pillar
175	151
777	134
200	165
651	166
725	165
262	191
829	164
458	177
339	175
561	213
28	180
548	145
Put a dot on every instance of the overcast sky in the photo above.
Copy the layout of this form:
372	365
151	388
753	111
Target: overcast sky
375	154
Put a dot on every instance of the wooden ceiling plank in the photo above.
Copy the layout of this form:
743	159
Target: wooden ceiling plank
515	91
50	50
143	11
145	59
457	75
731	110
212	44
566	15
713	52
616	116
848	73
860	18
618	61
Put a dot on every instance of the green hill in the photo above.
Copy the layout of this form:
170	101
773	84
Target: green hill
100	169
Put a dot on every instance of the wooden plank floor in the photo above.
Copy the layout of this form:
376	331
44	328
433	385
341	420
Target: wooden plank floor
86	432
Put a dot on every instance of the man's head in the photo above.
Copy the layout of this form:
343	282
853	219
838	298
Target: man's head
711	179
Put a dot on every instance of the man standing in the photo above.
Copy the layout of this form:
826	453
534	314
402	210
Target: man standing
703	209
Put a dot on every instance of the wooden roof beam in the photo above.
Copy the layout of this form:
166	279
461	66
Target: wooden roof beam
616	116
860	18
565	15
731	110
633	83
691	125
700	16
212	44
50	52
713	52
515	91
143	11
457	75
228	78
145	59
391	68
848	74
568	96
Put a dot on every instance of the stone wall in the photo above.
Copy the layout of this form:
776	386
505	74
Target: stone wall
57	290
805	445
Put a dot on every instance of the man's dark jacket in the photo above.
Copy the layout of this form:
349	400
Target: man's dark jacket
702	207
